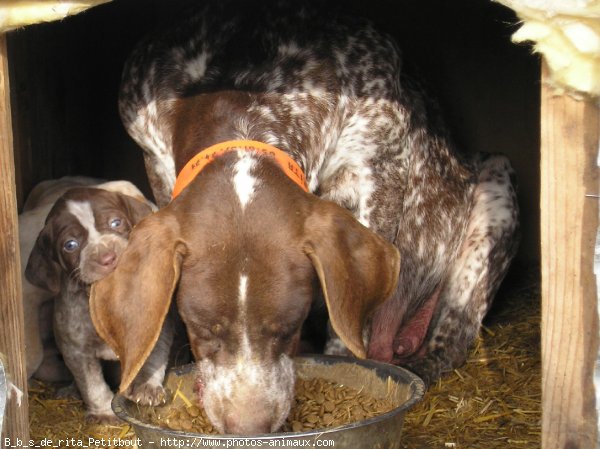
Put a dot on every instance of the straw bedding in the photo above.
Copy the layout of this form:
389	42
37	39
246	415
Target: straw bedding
493	401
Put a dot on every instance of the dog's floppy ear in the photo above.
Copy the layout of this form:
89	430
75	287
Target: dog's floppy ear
358	269
129	306
138	209
42	270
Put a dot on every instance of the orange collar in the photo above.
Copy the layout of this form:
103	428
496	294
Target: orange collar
205	157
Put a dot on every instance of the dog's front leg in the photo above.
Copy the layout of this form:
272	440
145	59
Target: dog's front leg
95	392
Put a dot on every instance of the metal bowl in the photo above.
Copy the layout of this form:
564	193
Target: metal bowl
380	380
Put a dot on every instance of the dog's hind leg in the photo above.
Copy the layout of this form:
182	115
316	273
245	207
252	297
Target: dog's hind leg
490	244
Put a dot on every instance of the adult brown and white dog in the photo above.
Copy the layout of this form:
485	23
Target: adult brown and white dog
84	234
279	96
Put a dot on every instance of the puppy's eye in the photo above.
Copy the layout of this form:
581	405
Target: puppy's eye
71	245
115	223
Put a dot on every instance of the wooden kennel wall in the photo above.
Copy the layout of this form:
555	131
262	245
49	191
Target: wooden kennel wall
60	122
569	221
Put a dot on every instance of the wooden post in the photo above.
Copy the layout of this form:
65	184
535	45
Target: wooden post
11	306
569	221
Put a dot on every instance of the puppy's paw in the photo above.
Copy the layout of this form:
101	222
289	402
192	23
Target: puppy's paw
146	394
105	419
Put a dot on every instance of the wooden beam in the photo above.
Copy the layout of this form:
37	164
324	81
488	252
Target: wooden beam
11	306
569	221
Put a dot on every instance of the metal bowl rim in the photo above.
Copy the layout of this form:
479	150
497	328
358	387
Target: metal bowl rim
415	383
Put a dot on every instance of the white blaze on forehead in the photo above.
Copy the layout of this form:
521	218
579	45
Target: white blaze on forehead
243	181
82	210
245	353
243	290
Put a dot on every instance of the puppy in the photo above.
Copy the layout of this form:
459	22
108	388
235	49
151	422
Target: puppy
42	358
295	157
83	237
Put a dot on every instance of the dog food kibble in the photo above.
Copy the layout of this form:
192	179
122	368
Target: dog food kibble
318	404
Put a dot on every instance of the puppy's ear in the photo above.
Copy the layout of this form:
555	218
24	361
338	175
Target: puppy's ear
358	269
42	270
128	307
138	209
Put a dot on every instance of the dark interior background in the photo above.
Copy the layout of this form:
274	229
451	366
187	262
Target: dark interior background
65	78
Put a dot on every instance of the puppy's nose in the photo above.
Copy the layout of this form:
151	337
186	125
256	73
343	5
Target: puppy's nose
108	258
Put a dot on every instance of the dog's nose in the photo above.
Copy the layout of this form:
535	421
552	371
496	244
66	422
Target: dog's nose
237	424
108	258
